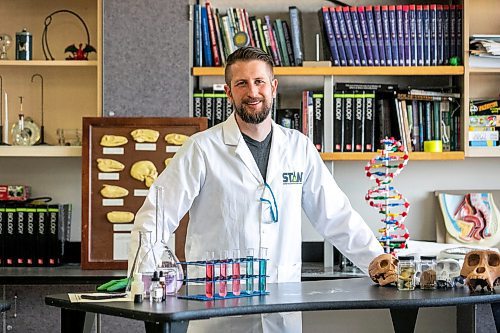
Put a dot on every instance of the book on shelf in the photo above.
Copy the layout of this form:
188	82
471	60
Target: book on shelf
197	36
329	36
346	17
338	37
377	17
413	35
407	42
384	10
318	121
288	43
338	120
400	35
296	29
345	36
484	122
372	32
426	32
207	46
212	34
366	59
393	32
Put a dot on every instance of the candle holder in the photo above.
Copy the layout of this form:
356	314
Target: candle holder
42	130
1	115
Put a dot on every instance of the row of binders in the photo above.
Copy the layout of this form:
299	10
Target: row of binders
396	35
216	35
363	114
33	235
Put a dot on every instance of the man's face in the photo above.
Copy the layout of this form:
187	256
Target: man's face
252	90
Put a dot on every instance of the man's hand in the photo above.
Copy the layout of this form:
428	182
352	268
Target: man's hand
383	269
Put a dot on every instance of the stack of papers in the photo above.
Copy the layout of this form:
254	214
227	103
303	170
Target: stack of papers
484	51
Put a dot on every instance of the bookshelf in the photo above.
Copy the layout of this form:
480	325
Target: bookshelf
295	79
480	17
71	90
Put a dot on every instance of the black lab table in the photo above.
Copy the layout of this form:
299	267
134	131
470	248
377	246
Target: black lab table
175	314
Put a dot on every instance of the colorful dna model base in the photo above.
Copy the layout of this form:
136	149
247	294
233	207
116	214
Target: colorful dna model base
385	198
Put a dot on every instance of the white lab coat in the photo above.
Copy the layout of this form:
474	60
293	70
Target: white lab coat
216	178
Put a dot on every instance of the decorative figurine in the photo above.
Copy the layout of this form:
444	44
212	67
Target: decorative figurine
79	53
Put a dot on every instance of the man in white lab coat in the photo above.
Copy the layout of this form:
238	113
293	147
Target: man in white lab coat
245	182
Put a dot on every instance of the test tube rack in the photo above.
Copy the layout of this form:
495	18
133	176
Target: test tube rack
258	279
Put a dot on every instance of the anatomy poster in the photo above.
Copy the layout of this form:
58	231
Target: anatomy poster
470	218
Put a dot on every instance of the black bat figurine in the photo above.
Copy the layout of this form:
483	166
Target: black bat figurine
79	53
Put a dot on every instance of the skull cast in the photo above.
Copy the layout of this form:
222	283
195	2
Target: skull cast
481	268
382	269
447	272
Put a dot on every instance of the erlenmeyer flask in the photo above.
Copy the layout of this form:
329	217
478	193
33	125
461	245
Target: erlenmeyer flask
145	261
169	264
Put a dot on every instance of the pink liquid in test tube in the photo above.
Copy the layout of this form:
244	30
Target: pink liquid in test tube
209	275
236	272
223	278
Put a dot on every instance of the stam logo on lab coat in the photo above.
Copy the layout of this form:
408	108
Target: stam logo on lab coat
292	178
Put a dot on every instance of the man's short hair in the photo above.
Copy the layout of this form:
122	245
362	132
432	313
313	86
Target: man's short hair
246	53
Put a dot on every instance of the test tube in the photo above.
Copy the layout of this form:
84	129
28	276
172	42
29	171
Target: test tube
236	272
223	273
262	270
209	274
249	271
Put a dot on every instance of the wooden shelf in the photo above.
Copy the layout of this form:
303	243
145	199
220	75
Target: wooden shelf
40	151
49	63
416	156
345	71
481	70
483	152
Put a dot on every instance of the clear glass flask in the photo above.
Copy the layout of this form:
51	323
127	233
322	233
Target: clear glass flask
168	263
144	262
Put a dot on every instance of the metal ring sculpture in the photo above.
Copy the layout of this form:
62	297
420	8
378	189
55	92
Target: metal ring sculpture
48	21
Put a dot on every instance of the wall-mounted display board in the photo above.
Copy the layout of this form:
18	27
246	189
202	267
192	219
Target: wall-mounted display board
121	157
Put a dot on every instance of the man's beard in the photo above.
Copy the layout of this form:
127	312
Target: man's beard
253	117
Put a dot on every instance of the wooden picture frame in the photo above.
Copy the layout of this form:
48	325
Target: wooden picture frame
103	242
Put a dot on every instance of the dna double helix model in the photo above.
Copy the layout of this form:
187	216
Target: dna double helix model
385	198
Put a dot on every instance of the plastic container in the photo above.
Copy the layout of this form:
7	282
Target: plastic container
137	288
